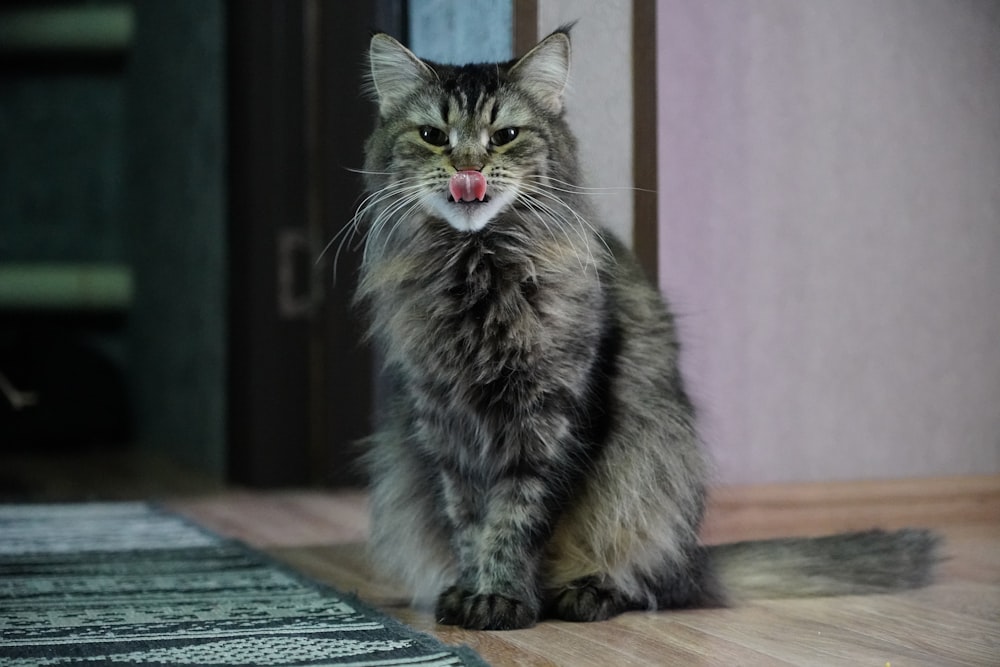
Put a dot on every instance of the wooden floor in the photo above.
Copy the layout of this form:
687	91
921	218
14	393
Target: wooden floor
956	621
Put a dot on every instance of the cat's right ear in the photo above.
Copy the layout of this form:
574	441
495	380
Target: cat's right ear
544	71
395	72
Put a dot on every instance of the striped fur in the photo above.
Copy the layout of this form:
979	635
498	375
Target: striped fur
537	455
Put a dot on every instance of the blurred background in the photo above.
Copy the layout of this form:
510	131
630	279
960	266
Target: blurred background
818	195
170	173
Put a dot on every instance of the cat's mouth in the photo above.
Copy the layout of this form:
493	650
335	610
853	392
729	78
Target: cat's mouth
467	207
467	187
474	202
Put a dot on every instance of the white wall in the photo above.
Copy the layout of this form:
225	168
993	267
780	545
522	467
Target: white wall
830	232
599	100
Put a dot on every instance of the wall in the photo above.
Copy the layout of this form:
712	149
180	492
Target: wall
176	215
599	99
61	168
830	232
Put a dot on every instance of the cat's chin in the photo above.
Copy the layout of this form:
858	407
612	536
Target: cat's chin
472	217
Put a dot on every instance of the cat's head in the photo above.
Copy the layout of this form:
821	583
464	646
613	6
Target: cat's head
467	143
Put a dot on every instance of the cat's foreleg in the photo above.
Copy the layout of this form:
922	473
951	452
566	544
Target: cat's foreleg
500	530
628	538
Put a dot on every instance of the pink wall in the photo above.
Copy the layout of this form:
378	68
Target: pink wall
830	232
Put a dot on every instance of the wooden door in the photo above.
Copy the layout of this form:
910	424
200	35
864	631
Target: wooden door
300	382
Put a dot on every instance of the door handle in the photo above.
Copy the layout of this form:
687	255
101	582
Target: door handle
297	279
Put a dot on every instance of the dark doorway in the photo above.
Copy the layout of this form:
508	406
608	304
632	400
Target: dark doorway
300	381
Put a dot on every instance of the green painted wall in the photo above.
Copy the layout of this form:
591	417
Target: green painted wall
175	216
120	161
60	167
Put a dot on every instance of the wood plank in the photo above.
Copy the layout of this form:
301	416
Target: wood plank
282	518
956	621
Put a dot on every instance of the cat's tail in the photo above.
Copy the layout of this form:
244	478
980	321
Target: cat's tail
874	561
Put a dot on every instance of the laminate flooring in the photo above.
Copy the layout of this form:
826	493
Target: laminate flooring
955	621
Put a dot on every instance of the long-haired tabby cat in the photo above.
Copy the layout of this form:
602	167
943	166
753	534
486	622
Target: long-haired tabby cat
538	456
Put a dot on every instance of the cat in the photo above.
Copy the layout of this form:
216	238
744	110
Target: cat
537	455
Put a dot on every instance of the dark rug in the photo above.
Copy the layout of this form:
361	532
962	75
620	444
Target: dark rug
130	584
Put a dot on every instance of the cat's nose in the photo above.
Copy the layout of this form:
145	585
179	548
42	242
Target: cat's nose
468	158
468	165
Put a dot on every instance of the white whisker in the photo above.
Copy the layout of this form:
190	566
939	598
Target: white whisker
542	212
566	186
563	224
537	191
406	189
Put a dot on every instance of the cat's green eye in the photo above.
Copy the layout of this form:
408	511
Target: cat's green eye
433	136
504	136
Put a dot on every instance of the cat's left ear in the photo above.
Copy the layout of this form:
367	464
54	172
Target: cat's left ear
396	73
544	71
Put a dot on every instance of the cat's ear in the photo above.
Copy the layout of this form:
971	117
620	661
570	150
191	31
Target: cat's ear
544	71
396	73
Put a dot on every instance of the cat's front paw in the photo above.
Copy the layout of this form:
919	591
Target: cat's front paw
448	610
585	601
484	611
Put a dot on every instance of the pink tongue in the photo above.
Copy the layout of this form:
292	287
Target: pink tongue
468	185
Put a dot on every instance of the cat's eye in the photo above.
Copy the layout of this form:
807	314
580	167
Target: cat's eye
504	136
433	136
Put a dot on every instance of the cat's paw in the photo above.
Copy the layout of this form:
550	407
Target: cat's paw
484	611
585	600
448	610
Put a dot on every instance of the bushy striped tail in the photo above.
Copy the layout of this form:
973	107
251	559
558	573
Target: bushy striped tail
868	562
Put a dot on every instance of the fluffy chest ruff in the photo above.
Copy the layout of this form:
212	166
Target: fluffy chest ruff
489	339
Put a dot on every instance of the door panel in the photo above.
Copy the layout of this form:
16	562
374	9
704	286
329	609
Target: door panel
300	380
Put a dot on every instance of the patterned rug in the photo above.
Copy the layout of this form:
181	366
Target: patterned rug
128	584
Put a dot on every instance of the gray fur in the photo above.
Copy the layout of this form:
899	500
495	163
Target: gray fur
538	454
